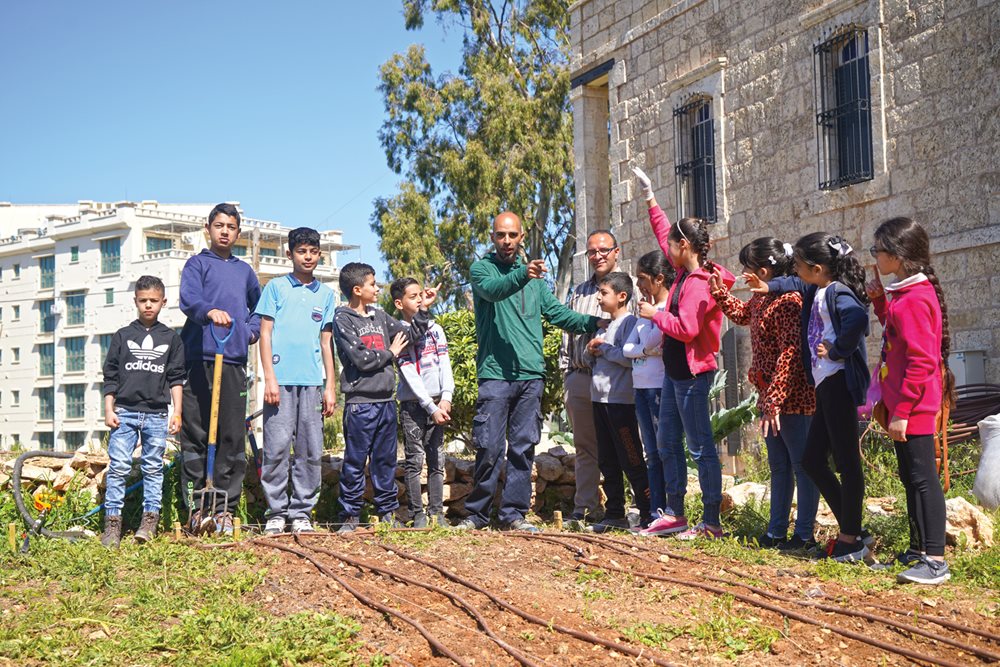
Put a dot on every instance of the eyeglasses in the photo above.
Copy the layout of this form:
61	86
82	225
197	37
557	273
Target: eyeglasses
603	252
875	250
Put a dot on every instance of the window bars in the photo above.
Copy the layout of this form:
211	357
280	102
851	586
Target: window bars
843	102
695	158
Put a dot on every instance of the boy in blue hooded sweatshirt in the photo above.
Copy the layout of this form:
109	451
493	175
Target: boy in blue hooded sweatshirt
217	288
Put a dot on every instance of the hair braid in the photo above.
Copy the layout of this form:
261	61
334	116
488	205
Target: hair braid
949	378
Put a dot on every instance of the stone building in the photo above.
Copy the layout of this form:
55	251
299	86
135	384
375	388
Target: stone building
789	116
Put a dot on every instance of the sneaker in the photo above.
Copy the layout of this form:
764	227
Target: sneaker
699	531
607	525
439	520
577	522
224	524
845	552
466	524
389	519
797	545
867	538
147	527
419	520
765	541
112	536
348	525
665	524
926	571
302	526
522	525
275	525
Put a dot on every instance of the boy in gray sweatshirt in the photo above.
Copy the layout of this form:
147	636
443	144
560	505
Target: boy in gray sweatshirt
619	449
425	389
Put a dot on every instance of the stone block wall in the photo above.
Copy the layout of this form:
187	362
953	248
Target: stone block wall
935	94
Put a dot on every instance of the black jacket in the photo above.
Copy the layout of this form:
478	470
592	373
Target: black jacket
849	317
362	342
142	365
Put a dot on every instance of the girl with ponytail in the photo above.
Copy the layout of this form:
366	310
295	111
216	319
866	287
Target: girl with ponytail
690	322
832	330
914	379
785	399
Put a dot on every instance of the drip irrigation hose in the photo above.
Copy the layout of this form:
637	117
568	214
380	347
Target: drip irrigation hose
34	525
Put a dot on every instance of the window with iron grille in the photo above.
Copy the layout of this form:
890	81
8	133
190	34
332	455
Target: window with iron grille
239	251
47	271
268	252
74	439
46	403
111	255
75	308
694	135
104	342
843	103
74	254
109	296
158	243
76	355
46	441
75	405
46	359
46	318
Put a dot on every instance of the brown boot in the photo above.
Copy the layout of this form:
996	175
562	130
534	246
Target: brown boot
147	527
112	536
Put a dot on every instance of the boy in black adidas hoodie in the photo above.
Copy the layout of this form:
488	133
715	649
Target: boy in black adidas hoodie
143	375
368	342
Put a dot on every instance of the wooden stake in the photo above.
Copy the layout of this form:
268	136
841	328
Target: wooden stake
177	530
12	536
557	519
237	528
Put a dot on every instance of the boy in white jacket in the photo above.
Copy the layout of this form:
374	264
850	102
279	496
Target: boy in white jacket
425	390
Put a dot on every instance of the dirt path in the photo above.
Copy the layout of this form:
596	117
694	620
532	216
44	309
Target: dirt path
567	599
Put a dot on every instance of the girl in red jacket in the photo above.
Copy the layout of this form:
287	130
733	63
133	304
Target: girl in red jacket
691	324
915	347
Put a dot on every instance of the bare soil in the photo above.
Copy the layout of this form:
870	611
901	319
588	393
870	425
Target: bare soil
639	600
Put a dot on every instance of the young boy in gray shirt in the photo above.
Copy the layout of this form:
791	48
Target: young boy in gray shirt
619	448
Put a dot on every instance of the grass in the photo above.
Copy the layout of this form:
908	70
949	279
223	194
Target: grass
727	633
164	603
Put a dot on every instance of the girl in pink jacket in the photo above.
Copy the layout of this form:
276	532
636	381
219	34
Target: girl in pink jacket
915	347
691	323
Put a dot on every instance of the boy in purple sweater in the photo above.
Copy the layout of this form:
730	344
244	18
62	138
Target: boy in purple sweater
217	288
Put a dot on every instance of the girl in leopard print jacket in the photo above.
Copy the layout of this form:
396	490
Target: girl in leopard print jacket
786	400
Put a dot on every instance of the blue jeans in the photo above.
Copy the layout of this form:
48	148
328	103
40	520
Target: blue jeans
369	436
153	429
647	411
784	457
508	419
684	412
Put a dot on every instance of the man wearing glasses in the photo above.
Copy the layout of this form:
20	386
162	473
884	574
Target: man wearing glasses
602	253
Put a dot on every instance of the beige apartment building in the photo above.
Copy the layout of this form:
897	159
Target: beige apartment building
786	117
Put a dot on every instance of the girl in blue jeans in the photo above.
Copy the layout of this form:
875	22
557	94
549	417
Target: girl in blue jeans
643	347
691	323
785	399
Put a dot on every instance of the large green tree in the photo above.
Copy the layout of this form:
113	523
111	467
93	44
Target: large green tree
497	135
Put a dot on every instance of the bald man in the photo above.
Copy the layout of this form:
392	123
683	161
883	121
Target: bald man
510	299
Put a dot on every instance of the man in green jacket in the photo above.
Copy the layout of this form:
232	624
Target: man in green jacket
510	300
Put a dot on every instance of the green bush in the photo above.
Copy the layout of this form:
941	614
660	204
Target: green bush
460	329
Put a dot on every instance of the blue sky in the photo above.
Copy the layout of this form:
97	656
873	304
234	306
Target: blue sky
271	104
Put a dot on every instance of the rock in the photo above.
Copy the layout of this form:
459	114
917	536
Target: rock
568	476
34	473
548	467
964	518
458	469
63	478
824	517
881	506
456	491
728	482
742	494
558	452
84	460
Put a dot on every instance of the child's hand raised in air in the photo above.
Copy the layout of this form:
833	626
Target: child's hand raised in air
874	288
756	285
644	182
399	344
715	283
430	294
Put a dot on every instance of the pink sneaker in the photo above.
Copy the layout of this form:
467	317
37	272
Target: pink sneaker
701	530
665	524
